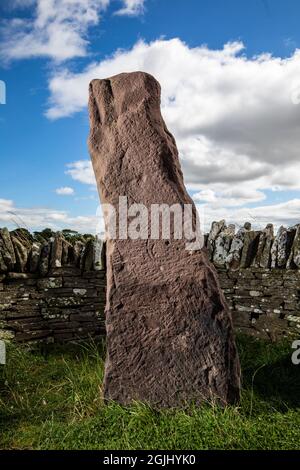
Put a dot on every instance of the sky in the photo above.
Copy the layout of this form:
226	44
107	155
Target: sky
230	77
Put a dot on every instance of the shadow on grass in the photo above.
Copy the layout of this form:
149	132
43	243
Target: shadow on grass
50	398
68	377
269	374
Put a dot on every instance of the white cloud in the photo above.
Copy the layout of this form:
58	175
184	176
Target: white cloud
65	191
37	218
5	205
82	171
229	197
131	7
235	118
284	213
57	30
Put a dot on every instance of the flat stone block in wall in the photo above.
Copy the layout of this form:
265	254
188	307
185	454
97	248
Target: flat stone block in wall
272	281
49	283
246	274
293	304
21	276
289	274
23	312
78	282
65	271
83	317
293	283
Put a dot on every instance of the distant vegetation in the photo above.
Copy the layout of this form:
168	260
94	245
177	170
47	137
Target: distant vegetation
70	235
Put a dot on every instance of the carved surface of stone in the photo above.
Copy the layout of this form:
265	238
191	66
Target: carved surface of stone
169	330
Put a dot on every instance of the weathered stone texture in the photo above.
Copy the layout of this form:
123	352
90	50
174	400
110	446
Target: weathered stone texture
169	331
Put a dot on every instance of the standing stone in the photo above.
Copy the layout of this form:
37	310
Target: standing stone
279	251
294	258
263	255
222	246
34	257
169	331
66	250
3	267
249	249
274	250
234	256
21	252
99	254
216	229
87	257
45	259
76	253
22	240
265	259
56	251
7	249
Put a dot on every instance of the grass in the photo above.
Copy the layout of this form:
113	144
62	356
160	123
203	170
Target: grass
51	399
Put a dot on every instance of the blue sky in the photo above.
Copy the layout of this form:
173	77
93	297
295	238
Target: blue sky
229	73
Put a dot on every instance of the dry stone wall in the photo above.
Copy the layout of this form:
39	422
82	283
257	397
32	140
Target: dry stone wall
54	289
50	290
260	276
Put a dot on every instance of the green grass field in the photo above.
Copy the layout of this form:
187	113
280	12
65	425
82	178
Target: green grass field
51	399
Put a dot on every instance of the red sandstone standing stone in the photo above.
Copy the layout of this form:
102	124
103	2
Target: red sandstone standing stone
169	331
